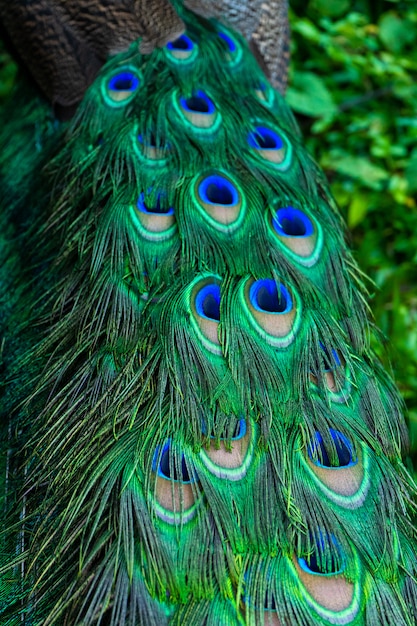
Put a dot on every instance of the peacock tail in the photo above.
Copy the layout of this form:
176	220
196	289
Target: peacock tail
196	430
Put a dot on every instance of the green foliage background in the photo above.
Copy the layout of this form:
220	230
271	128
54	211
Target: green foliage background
353	85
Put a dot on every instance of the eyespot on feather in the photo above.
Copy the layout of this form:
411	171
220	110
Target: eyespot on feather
269	145
157	219
233	51
220	201
273	310
296	231
121	87
174	495
322	455
326	559
182	50
335	373
205	310
231	463
330	591
150	150
269	618
264	93
345	476
199	111
321	574
259	598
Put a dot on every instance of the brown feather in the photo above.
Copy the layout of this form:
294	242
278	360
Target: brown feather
263	22
64	42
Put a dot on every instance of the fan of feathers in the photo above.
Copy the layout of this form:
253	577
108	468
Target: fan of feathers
195	430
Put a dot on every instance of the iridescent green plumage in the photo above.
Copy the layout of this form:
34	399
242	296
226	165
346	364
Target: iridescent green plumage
200	432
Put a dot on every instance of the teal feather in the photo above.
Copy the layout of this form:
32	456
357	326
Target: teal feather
198	431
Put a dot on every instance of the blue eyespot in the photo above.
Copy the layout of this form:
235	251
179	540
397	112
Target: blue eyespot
291	222
269	603
151	141
121	87
169	468
263	138
331	359
264	93
124	81
207	302
216	189
240	430
343	453
326	559
266	297
199	103
152	147
229	41
182	43
158	206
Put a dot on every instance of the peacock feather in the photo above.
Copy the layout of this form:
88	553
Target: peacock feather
196	430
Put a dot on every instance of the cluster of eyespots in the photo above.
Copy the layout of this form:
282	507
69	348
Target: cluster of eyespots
269	305
154	220
273	309
176	477
219	200
271	146
181	50
185	50
121	87
223	203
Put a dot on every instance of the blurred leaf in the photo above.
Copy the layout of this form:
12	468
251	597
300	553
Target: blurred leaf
332	8
307	29
359	168
309	95
396	32
358	208
411	173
